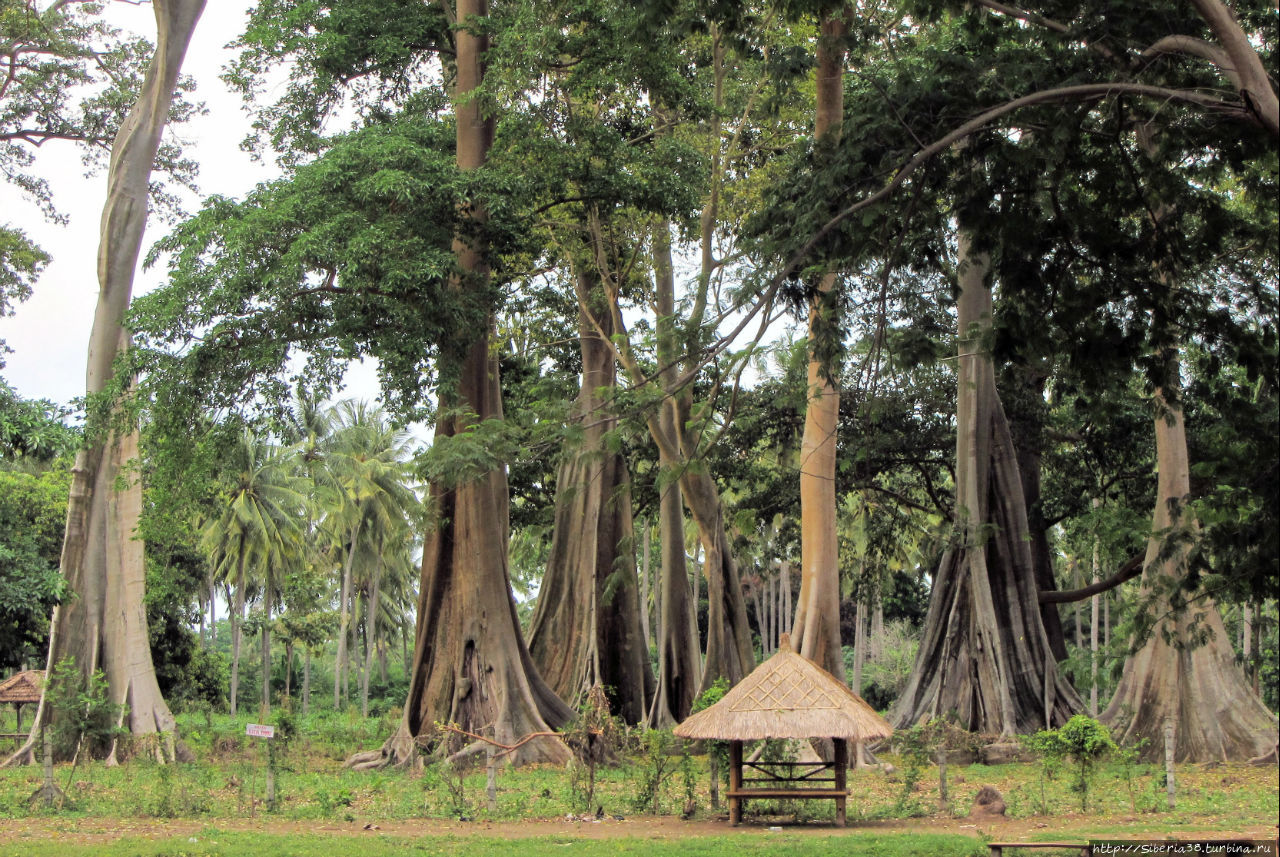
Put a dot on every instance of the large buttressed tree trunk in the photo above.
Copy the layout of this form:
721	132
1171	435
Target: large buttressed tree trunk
1216	715
1028	385
985	657
729	651
679	666
817	622
471	667
103	625
586	628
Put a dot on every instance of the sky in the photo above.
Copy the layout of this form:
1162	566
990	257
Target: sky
49	333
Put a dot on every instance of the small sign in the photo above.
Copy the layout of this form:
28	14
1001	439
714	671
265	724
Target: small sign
259	730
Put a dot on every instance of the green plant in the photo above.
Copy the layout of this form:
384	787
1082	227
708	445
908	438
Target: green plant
917	746
593	737
1087	742
1046	748
84	718
451	779
1082	739
717	751
688	778
1132	767
655	769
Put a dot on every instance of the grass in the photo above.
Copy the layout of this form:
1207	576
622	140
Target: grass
225	787
212	842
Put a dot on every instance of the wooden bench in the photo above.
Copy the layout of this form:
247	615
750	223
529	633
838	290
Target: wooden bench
787	781
997	848
738	799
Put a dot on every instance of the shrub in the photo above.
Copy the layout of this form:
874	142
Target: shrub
84	718
1082	739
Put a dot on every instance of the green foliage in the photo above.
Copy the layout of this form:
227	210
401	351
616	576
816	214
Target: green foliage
71	76
32	431
351	245
917	745
595	737
717	751
656	765
20	265
1083	740
85	720
33	513
885	673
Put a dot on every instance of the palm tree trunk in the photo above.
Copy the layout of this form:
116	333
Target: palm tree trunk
371	632
288	669
237	626
213	611
344	616
266	647
306	681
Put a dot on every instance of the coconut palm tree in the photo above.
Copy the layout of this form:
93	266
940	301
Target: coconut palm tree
255	533
370	506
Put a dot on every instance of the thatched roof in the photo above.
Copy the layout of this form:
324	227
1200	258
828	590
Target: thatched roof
23	687
788	696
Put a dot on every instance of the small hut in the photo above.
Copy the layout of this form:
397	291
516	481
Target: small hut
21	689
788	696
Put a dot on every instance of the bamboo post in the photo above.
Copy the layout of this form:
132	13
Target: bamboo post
842	781
735	782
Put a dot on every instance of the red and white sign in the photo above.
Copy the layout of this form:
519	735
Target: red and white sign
258	730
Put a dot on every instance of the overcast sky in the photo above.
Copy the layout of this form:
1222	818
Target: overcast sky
49	333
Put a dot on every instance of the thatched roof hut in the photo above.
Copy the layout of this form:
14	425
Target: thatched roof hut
22	688
788	696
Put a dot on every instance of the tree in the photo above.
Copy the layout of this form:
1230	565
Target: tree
68	76
106	626
254	537
1182	672
585	631
984	654
817	623
366	472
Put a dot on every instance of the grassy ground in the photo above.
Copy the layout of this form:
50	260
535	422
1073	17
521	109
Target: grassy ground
214	806
213	842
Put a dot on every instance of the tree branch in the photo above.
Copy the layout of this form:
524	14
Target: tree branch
1081	92
1128	571
1197	48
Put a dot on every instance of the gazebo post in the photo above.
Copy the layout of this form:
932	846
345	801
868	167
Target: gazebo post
842	783
735	782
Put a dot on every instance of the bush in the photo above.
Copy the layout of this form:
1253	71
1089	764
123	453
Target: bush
1082	739
656	767
84	718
